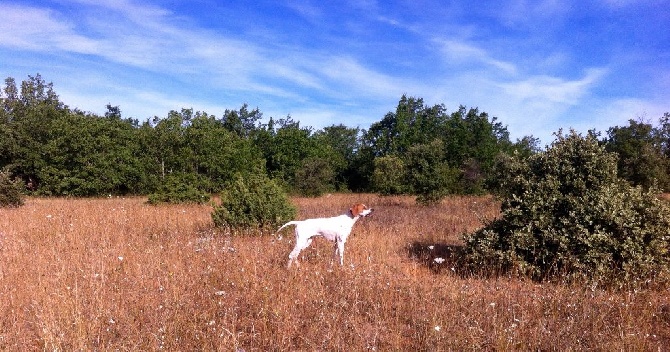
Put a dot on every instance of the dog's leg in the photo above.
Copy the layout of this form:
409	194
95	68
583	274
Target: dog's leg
336	254
300	244
293	256
340	251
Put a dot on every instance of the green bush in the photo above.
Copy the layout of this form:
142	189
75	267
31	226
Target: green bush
178	188
10	191
565	213
253	202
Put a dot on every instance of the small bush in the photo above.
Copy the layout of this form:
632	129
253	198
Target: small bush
253	202
178	188
566	213
10	191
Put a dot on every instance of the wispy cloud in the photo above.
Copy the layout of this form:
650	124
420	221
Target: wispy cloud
463	52
553	89
305	9
530	13
520	60
355	77
29	28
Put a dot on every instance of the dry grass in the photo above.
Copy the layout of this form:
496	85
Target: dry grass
116	274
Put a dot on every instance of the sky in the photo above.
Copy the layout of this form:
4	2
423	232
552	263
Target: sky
536	65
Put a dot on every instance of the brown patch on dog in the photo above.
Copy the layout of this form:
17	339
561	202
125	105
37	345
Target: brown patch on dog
357	209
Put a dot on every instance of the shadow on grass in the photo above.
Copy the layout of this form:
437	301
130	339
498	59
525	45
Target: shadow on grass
438	257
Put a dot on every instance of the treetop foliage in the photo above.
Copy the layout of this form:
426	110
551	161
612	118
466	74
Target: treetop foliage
415	149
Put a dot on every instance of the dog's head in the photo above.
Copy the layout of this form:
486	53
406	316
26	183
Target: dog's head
360	210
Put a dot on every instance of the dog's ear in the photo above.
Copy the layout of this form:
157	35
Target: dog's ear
357	209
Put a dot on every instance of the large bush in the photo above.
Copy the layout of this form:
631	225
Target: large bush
253	202
10	191
565	212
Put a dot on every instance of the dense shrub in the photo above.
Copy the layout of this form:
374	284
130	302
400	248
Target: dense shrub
179	188
253	202
10	191
565	212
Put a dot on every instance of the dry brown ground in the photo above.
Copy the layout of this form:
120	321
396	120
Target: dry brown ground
117	274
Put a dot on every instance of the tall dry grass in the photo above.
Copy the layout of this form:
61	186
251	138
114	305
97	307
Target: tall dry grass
116	274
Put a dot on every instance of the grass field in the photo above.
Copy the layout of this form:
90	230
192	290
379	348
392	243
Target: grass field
117	274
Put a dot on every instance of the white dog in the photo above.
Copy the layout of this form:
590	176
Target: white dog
335	229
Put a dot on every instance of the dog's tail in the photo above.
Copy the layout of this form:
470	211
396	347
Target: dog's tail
287	224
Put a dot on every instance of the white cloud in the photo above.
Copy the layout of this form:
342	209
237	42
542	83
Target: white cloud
552	89
618	111
530	105
30	28
462	52
354	79
141	104
305	9
517	13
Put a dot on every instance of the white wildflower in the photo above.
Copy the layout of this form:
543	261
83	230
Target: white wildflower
439	260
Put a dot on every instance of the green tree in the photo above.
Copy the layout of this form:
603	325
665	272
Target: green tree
27	118
286	149
390	176
242	122
338	147
663	133
641	158
219	154
10	191
429	176
88	155
8	143
167	142
527	146
412	123
315	177
472	143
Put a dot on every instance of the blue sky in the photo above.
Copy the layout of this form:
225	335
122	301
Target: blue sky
536	65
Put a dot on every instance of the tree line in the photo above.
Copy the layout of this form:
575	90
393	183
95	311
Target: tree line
417	149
